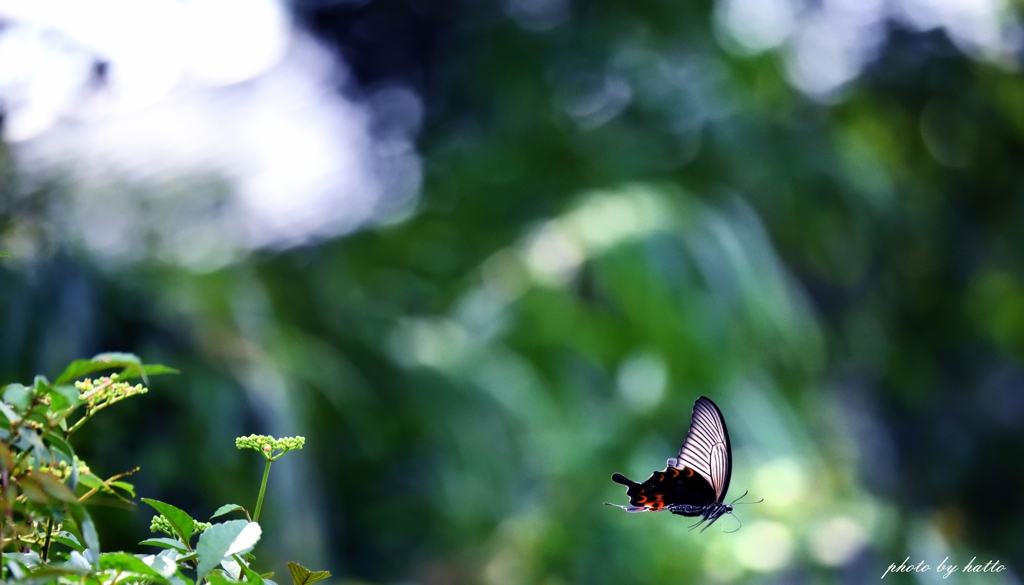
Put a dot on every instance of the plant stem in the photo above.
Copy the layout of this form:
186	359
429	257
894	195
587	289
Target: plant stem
45	553
78	424
263	489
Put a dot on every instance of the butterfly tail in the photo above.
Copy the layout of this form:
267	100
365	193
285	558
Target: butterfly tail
622	479
632	490
628	508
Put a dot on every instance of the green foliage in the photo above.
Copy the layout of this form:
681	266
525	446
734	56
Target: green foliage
49	537
303	576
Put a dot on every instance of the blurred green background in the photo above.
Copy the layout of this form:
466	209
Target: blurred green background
811	214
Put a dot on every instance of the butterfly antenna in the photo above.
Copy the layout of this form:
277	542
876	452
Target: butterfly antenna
738	520
737	500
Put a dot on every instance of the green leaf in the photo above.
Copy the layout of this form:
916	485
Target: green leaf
64	396
251	576
81	368
225	509
17	396
165	543
303	576
126	562
183	523
52	486
68	540
155	369
42	453
222	540
92	538
219	580
50	573
124	485
90	481
87	528
33	490
8	413
65	449
130	364
60	445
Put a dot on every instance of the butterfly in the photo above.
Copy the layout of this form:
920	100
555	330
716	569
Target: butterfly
695	482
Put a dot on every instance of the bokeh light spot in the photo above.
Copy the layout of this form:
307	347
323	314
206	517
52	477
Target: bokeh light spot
781	483
764	546
642	379
833	542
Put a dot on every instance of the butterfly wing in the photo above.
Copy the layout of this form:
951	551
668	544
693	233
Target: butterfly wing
706	449
666	489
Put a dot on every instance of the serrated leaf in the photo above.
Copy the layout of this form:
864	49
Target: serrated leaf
225	509
183	523
303	576
165	543
126	562
223	540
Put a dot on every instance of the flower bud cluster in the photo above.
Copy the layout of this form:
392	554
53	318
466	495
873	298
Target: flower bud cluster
267	445
107	390
160	523
61	469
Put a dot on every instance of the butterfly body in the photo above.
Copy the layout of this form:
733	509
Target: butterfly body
695	482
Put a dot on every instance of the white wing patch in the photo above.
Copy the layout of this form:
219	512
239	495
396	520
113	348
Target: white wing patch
706	448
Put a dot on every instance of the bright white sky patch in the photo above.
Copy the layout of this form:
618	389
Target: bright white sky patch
826	44
217	128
